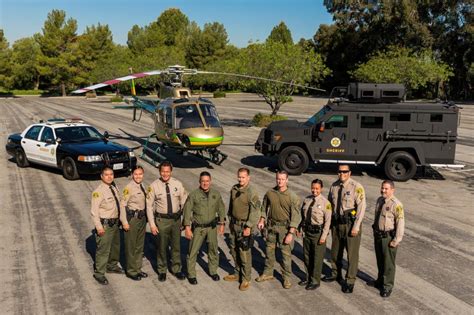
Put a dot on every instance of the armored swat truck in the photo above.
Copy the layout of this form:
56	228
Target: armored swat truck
367	124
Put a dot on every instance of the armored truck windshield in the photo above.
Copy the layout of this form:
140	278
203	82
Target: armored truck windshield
313	120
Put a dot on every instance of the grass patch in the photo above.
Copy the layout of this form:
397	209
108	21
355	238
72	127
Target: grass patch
218	94
261	120
116	99
21	92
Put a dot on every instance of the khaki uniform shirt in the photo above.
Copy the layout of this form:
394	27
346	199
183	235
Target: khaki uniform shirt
281	206
203	208
353	197
321	212
133	198
390	215
244	204
157	199
103	204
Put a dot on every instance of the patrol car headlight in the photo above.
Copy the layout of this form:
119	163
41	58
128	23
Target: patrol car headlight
9	141
89	158
131	154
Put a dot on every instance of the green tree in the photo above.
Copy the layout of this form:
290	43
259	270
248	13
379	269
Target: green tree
281	34
402	65
25	58
5	62
206	46
58	61
277	61
172	23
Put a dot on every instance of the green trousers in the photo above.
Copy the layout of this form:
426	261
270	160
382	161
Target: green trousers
242	258
199	235
341	239
169	236
276	236
107	252
313	256
385	261
134	243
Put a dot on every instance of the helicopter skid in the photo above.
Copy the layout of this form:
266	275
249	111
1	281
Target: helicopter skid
214	155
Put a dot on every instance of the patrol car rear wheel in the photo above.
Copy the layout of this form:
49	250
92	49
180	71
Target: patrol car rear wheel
293	159
400	166
70	169
21	159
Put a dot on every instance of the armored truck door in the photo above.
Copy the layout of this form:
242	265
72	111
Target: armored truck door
369	138
335	142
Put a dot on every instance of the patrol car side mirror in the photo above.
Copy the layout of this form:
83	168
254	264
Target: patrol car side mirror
106	135
58	140
322	126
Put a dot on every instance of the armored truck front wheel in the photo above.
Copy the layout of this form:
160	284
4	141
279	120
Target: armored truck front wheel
400	166
293	159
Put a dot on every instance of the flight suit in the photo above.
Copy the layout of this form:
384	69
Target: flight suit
105	208
244	211
348	204
281	212
168	221
134	202
316	221
203	211
389	225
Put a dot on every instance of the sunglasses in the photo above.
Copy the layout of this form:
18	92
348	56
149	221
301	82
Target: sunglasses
343	172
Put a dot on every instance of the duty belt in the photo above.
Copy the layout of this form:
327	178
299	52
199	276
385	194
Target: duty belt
139	214
109	222
212	224
277	223
383	234
237	221
174	216
347	217
313	228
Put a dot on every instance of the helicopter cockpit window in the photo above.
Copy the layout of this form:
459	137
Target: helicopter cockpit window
187	116
210	115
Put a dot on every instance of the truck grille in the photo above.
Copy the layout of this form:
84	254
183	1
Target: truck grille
115	157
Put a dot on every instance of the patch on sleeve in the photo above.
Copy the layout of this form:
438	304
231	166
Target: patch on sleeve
95	194
360	191
399	211
125	192
328	207
148	191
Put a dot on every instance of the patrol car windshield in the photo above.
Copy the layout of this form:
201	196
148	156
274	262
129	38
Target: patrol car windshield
78	134
187	116
317	117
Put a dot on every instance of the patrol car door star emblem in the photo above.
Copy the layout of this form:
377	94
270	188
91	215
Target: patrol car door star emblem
335	142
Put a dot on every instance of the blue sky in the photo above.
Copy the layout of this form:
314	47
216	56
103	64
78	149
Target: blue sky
244	20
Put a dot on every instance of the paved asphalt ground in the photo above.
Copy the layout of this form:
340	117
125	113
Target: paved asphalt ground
47	243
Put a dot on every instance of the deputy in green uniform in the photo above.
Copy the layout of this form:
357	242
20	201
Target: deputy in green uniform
204	211
316	221
389	226
347	198
244	212
105	209
280	216
165	201
134	223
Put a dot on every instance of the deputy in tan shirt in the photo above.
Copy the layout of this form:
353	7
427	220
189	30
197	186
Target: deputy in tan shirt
165	200
389	226
134	223
316	220
105	208
347	198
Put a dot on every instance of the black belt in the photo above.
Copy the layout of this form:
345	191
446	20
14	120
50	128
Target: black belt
347	217
237	221
277	223
139	214
109	222
212	224
174	216
313	228
383	234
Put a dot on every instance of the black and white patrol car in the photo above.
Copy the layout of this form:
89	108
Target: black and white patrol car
71	145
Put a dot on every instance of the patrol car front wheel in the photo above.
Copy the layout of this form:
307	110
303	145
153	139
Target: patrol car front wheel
294	160
400	166
70	169
21	159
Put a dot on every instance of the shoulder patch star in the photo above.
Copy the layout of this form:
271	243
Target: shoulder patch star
95	194
328	207
399	211
360	191
125	192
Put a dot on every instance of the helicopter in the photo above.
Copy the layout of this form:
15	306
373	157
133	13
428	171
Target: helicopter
182	122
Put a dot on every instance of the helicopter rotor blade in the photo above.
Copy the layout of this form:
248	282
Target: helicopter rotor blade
260	78
118	80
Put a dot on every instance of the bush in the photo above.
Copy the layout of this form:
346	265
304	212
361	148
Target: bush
116	99
218	94
261	120
22	92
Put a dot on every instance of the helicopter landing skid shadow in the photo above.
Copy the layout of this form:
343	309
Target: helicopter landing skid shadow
155	153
